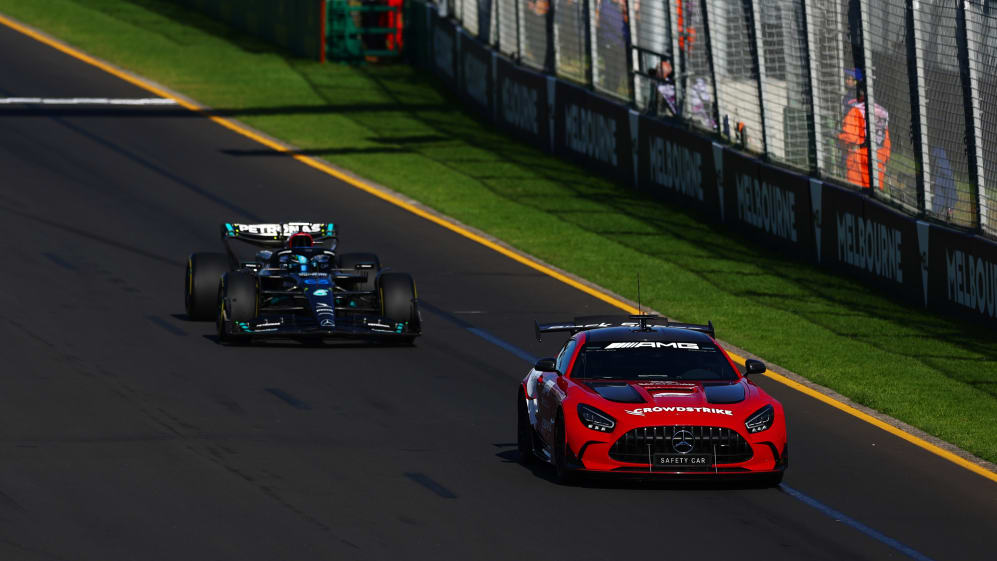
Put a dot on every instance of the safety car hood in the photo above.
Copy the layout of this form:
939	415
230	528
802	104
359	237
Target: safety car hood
642	398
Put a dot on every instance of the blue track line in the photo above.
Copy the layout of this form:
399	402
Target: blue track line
841	517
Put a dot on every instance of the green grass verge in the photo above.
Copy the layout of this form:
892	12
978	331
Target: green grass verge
395	126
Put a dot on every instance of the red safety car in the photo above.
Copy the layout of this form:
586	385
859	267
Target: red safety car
646	397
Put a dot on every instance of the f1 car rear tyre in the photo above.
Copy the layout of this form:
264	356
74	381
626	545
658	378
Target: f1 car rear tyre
200	291
524	432
363	262
397	292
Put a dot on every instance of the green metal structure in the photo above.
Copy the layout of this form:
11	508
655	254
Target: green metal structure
347	37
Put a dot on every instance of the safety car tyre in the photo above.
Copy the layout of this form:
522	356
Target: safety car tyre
562	473
204	271
524	432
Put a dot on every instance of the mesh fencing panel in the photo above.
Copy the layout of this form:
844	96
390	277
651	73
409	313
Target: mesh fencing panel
469	15
893	130
508	26
948	192
609	46
694	79
982	45
651	35
786	82
571	51
733	45
832	27
534	32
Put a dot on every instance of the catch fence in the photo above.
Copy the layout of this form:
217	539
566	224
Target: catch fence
898	97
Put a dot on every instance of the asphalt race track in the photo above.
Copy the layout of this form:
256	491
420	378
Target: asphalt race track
127	432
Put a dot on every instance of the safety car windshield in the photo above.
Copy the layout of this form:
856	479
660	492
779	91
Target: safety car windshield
652	360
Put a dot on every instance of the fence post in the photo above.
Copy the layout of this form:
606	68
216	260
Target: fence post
755	29
809	17
677	58
919	99
968	75
709	58
813	156
628	42
870	98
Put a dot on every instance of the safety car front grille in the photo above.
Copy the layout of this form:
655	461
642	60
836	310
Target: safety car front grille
638	445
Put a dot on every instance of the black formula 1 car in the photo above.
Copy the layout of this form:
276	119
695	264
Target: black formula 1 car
296	286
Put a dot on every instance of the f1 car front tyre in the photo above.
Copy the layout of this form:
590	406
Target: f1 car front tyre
200	291
237	301
398	303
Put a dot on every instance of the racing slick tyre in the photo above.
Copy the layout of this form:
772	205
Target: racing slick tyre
200	291
398	299
237	301
363	262
524	432
562	473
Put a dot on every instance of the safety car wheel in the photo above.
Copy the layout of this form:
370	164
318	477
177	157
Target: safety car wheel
204	270
524	432
562	473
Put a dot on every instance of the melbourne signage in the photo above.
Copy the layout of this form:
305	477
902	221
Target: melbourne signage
444	49
521	98
676	165
593	131
962	273
476	74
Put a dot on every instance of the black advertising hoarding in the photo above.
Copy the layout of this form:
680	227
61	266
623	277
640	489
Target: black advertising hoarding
475	75
676	166
593	131
769	204
887	244
960	274
834	212
522	103
443	36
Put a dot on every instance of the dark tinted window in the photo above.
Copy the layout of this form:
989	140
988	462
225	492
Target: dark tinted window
649	360
565	357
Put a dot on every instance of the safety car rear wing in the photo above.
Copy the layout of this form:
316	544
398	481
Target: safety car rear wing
637	322
277	234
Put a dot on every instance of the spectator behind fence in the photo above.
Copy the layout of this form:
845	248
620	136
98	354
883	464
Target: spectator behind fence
611	28
537	16
662	90
853	136
943	193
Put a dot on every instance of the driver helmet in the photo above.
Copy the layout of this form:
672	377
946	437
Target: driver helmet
294	261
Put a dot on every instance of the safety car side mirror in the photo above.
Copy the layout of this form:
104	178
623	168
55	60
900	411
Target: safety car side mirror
754	366
545	365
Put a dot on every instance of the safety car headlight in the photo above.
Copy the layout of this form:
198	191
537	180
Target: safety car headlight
760	420
594	419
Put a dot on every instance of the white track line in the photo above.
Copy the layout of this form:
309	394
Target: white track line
85	101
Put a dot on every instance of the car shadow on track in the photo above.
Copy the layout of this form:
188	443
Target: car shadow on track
319	344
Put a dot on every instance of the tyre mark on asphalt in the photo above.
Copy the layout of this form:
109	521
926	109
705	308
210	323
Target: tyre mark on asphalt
60	261
428	483
166	326
288	398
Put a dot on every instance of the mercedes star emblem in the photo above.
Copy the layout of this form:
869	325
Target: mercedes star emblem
682	442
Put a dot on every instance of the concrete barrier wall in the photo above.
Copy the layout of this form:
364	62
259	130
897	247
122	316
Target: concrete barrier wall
296	25
843	230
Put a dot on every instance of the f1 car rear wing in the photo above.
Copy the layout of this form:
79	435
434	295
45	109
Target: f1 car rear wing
637	322
277	234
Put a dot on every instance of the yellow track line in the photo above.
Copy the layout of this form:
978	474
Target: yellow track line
368	188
